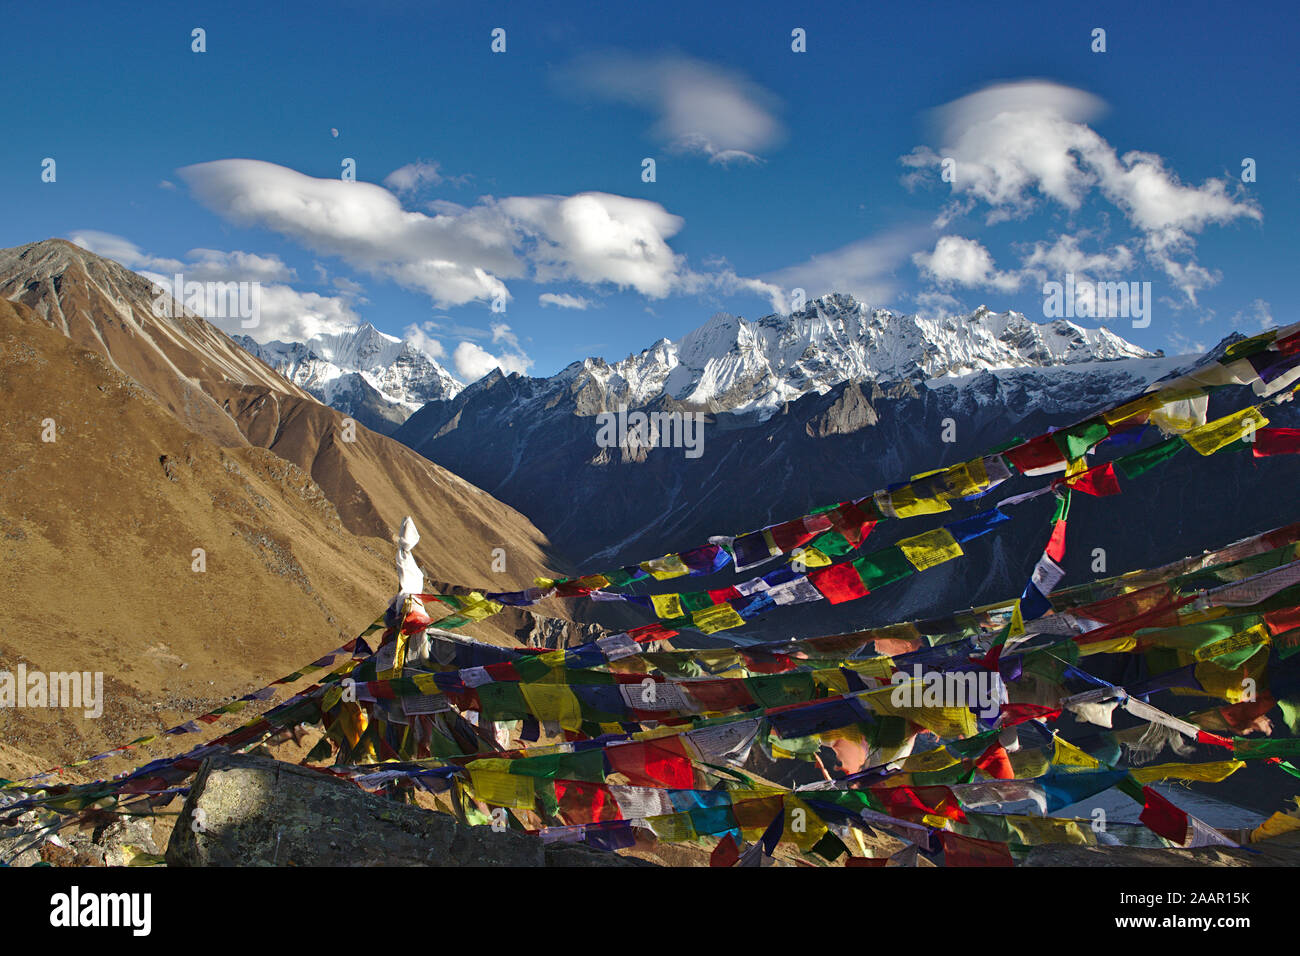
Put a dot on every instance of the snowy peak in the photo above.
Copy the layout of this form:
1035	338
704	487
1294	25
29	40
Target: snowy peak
732	364
389	375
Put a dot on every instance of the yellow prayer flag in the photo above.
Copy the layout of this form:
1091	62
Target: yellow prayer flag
1212	772
881	668
1250	637
1146	403
553	702
668	605
1065	754
832	679
503	789
811	557
1275	825
930	549
478	607
669	566
1035	831
1209	438
803	827
719	617
906	504
1027	764
966	478
672	827
553	659
929	761
1017	621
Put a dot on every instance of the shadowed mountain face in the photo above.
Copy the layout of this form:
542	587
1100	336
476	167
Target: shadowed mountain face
176	515
533	443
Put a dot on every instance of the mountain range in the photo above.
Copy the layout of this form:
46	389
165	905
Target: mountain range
728	364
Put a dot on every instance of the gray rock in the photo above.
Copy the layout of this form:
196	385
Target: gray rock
252	811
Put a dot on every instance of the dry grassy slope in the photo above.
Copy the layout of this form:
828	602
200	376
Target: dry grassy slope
96	546
96	531
219	390
374	482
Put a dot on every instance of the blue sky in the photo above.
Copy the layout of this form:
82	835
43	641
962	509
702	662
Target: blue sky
519	174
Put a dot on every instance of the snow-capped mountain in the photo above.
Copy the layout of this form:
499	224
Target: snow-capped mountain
731	364
823	403
376	378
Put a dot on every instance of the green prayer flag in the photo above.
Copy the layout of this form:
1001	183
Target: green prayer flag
1074	441
1140	462
883	567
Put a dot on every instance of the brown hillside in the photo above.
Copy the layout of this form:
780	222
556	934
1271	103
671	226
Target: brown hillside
159	451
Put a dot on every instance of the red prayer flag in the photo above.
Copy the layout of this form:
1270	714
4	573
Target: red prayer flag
1276	441
1037	456
1056	543
970	851
651	632
791	534
653	763
839	583
961	850
726	853
1020	713
1205	737
1162	817
1099	481
1282	620
912	803
580	802
718	695
852	522
996	763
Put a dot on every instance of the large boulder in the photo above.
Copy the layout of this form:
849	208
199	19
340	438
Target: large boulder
253	811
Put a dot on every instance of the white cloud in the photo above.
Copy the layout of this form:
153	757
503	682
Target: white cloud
412	176
700	108
1014	145
420	337
957	260
455	259
864	269
122	250
939	305
1259	313
461	254
1065	255
599	237
563	300
216	265
290	315
472	362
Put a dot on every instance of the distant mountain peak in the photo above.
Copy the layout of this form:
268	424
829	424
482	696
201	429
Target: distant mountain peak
377	378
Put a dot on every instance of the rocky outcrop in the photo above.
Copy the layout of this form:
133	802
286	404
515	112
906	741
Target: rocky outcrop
849	413
114	841
253	811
